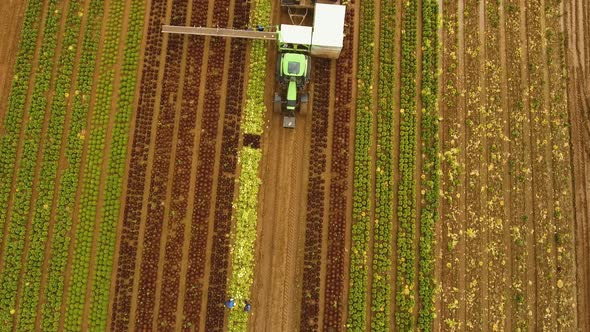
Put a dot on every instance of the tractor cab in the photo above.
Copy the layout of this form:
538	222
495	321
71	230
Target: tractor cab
293	71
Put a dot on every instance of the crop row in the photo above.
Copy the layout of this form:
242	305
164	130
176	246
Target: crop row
204	185
15	237
182	172
474	222
69	179
160	170
357	298
382	251
255	109
518	161
406	209
13	122
227	172
495	163
544	218
137	170
452	186
339	185
115	169
244	238
84	229
310	305
41	216
430	162
560	154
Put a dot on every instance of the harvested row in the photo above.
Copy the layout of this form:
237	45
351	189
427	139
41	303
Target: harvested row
473	145
115	168
17	221
429	194
161	167
250	156
406	209
357	300
543	218
137	171
39	224
229	151
384	177
452	169
69	179
495	160
87	214
519	162
339	182
562	173
182	172
17	100
310	297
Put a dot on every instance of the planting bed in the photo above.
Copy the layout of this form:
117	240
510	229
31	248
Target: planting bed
438	181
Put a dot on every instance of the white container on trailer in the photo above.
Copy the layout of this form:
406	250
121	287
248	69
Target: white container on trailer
328	30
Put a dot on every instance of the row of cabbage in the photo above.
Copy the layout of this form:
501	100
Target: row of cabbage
406	210
249	158
357	299
382	251
30	280
17	220
430	163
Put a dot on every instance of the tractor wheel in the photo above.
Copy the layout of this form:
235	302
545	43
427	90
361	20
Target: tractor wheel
303	103
278	103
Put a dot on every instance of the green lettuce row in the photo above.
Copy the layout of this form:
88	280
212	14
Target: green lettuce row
357	299
244	236
255	109
116	169
16	101
382	251
15	238
406	209
69	180
430	163
92	170
31	280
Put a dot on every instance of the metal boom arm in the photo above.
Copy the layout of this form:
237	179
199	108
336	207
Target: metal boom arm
220	32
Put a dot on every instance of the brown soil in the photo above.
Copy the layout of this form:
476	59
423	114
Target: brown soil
12	13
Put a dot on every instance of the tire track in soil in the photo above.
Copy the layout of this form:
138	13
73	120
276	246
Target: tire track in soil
576	43
138	164
11	27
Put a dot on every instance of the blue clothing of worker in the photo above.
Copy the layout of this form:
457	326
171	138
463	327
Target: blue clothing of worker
230	303
259	28
247	307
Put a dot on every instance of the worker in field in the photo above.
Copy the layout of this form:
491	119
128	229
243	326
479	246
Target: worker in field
230	304
247	307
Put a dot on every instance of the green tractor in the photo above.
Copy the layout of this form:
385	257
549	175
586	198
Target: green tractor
293	73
